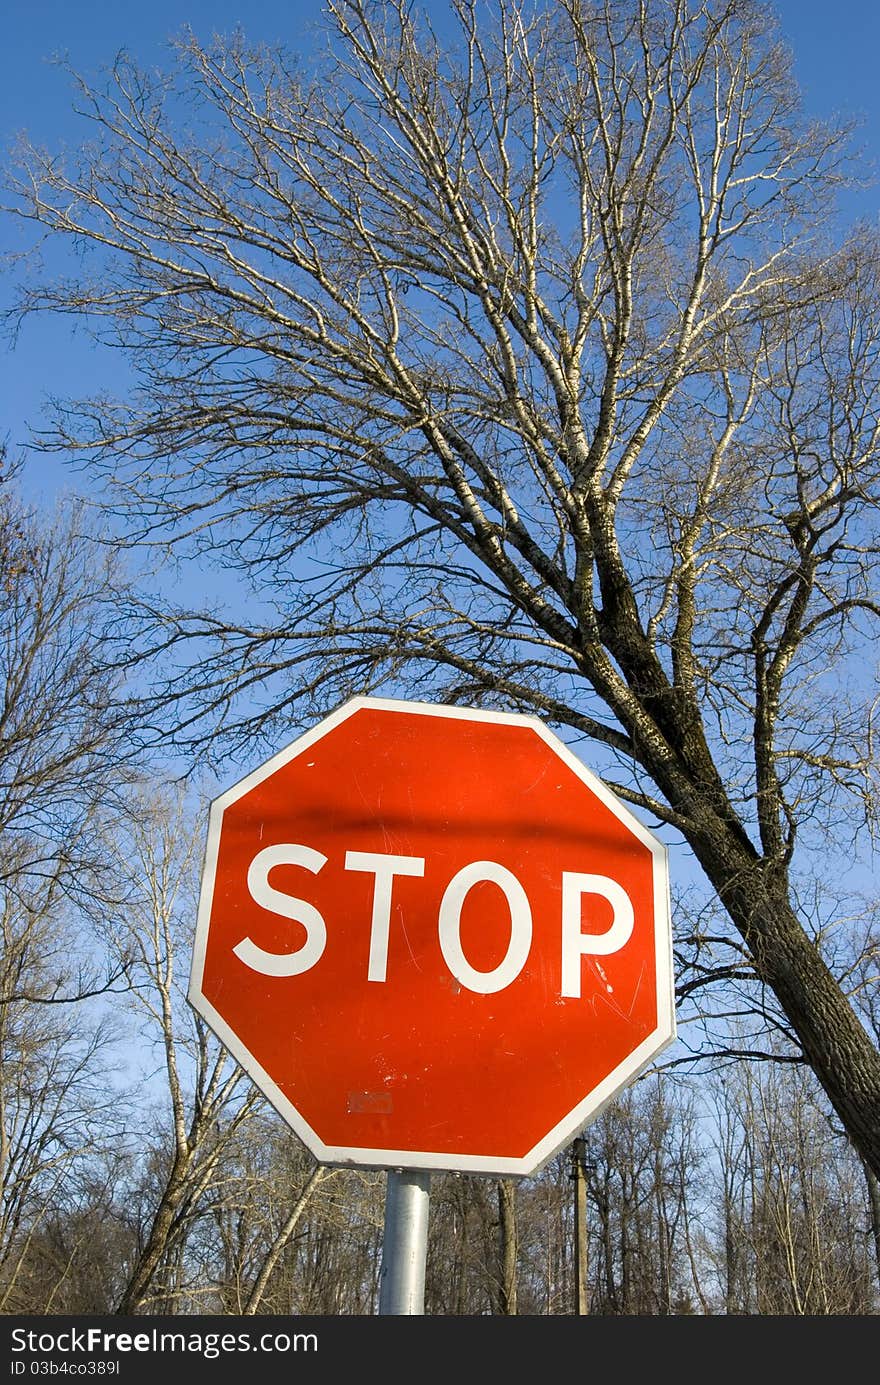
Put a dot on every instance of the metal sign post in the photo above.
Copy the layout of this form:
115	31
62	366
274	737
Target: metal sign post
405	1243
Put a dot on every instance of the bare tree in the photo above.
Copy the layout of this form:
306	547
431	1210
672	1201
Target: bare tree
795	1211
546	1233
464	1273
205	1095
332	1265
65	739
62	742
512	365
77	1252
57	1100
507	1246
644	1171
238	1252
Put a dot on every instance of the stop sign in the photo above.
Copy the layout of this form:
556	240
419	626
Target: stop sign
433	938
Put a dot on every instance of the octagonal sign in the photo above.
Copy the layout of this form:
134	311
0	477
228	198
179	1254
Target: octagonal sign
433	938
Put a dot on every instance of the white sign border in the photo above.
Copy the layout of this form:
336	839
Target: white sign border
575	1120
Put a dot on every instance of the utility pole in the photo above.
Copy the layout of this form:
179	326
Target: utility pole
581	1243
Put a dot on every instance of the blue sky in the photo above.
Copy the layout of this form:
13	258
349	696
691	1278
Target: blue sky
835	47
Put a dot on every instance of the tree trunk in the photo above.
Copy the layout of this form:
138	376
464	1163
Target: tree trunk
874	1201
835	1044
254	1299
157	1244
507	1246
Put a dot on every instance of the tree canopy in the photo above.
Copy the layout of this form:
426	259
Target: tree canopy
513	363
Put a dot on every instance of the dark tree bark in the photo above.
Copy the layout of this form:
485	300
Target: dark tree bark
507	1246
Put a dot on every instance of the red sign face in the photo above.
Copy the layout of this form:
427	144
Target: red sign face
433	938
